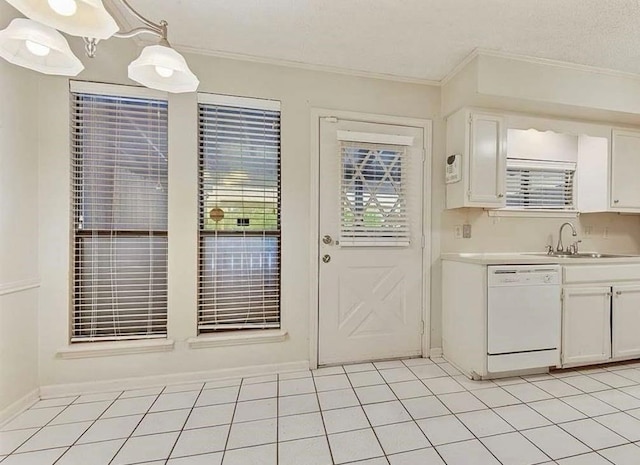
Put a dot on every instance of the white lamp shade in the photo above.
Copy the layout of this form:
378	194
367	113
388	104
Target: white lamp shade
162	68
36	46
88	18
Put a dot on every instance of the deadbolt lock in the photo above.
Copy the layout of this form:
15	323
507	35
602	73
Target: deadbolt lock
326	258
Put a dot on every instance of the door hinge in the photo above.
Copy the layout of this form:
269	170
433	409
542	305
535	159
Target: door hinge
423	241
469	194
331	119
562	295
422	327
424	155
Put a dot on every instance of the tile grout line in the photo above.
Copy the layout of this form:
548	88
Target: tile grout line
320	410
137	425
186	420
235	407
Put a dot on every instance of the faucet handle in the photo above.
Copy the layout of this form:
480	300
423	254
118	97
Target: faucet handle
549	248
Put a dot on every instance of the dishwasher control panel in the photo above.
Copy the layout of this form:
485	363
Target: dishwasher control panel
524	275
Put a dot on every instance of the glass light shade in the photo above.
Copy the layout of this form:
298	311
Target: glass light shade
152	69
88	19
35	46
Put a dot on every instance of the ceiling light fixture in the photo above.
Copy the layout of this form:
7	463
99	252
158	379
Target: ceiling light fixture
36	46
34	43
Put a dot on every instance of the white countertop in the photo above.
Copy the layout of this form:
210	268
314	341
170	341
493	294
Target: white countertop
531	258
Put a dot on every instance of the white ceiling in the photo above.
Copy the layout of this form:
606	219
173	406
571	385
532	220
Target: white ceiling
411	39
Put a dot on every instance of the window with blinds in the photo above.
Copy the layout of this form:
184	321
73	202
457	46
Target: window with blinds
239	189
119	187
373	195
540	185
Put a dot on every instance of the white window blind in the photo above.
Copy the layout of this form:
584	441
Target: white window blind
119	186
540	185
239	186
373	195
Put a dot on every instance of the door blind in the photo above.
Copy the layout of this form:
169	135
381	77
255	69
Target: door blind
239	245
119	186
373	195
540	185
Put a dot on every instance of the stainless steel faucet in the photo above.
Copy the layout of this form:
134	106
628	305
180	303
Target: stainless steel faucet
574	233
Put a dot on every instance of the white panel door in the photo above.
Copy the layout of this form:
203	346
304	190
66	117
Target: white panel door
370	229
586	328
487	160
626	321
625	166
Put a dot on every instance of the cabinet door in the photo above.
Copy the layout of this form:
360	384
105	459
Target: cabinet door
586	326
625	166
487	161
626	321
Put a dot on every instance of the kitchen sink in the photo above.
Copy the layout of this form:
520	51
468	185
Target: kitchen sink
582	255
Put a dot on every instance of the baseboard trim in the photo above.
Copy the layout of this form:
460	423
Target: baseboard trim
19	406
61	390
435	352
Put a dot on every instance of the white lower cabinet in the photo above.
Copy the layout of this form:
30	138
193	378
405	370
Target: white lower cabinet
625	321
586	327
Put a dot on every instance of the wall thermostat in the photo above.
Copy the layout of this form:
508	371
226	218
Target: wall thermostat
453	168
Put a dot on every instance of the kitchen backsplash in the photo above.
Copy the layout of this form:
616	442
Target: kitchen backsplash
601	232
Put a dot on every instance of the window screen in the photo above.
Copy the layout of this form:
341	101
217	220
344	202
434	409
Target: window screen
373	195
119	187
239	244
540	185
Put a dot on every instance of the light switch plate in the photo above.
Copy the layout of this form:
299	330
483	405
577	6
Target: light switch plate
466	231
457	231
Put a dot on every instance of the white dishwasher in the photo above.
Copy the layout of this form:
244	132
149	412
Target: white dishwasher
523	317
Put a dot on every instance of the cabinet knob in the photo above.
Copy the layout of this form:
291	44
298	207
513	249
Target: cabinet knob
618	292
616	201
500	196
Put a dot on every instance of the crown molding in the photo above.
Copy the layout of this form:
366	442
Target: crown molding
304	66
535	60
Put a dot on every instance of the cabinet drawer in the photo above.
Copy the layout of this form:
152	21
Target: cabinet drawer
601	273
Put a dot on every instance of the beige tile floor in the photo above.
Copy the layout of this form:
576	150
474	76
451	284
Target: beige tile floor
410	412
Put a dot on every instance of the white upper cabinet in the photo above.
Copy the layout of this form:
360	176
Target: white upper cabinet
625	166
480	140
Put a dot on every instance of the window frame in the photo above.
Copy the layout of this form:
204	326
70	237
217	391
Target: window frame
76	234
247	103
541	165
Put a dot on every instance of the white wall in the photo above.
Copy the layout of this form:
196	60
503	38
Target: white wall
299	91
18	231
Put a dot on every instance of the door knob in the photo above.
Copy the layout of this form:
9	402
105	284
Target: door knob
326	258
327	239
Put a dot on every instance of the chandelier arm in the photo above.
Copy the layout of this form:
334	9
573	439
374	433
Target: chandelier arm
141	18
137	31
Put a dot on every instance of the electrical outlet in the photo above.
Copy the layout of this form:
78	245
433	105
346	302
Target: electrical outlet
457	231
466	231
605	233
587	230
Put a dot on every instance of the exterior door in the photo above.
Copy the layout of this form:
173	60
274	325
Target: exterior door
626	321
371	241
586	328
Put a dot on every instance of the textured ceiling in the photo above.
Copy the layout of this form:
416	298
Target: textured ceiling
418	39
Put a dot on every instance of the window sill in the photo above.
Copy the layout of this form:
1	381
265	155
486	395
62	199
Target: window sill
534	213
250	337
108	349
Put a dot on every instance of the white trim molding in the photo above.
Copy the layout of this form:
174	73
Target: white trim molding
241	338
62	390
13	410
109	349
533	213
19	286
